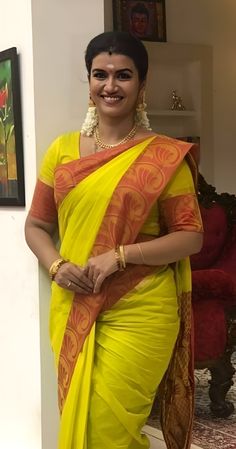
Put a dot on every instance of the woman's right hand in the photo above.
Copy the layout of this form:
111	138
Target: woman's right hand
72	277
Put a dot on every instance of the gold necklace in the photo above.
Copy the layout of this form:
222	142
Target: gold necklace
107	146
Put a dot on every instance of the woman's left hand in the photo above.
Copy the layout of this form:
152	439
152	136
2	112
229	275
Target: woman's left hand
100	267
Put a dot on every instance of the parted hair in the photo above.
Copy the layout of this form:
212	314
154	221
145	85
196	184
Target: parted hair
121	43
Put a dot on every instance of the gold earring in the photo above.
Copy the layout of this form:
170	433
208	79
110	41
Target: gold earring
91	119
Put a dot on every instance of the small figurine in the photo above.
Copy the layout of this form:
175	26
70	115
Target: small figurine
177	104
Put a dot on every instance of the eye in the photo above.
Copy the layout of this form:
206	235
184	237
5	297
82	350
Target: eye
99	74
124	76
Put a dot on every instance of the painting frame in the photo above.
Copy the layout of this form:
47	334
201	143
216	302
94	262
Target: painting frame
12	182
143	18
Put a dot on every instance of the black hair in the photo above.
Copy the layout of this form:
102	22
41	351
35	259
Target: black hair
139	8
121	43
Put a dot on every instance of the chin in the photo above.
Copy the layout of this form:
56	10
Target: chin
112	111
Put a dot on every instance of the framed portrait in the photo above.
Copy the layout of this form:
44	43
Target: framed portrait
144	19
12	188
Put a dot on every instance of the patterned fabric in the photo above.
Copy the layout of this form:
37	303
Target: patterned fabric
43	204
177	393
103	200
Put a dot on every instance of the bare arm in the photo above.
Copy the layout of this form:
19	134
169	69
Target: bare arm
163	250
160	251
39	237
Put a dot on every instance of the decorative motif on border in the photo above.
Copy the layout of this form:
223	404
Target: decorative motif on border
68	175
43	204
178	388
136	193
182	212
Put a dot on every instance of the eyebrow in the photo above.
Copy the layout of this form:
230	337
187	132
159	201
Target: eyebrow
126	69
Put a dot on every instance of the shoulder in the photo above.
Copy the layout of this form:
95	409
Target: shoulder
63	149
65	143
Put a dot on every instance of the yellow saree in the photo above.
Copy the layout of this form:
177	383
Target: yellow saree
112	349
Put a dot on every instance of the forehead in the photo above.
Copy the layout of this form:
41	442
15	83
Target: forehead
113	62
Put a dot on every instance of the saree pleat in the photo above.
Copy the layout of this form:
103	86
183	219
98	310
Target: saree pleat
134	342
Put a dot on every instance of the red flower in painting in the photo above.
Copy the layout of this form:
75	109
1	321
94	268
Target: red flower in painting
3	97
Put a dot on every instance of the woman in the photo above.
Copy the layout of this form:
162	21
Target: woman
128	219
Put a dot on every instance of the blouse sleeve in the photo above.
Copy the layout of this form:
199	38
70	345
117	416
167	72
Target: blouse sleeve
43	204
178	206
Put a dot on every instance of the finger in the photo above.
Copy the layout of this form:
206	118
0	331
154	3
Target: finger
77	288
83	287
76	274
95	275
78	283
69	284
82	281
69	281
91	271
98	284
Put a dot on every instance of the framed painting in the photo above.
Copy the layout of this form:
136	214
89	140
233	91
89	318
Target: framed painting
144	19
12	188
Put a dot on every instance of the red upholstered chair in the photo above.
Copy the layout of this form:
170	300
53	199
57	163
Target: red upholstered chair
214	294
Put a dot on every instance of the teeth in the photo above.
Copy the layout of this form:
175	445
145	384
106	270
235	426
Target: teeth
111	99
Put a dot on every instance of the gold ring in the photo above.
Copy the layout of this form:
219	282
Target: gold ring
69	284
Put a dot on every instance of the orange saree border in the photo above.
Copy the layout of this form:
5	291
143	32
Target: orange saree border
176	392
68	175
124	217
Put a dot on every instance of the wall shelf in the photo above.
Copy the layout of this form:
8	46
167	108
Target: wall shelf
172	113
187	69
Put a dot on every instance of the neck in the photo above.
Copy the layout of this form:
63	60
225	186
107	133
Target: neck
114	137
113	131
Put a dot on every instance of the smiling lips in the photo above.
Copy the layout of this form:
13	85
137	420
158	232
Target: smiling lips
111	99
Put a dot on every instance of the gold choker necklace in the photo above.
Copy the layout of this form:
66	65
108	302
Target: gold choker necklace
107	146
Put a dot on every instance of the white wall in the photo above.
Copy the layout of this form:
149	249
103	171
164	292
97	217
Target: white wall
20	405
61	32
212	22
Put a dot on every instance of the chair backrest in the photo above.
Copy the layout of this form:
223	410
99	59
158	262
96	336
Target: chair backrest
219	218
214	238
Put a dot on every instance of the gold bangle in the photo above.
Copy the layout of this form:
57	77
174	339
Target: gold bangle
141	253
120	262
117	257
122	256
55	267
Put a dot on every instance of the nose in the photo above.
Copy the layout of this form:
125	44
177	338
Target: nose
110	85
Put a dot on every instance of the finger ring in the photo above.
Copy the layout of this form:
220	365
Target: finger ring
69	284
